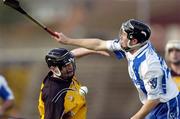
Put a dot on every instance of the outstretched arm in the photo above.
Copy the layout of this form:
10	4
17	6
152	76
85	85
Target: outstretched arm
80	52
93	44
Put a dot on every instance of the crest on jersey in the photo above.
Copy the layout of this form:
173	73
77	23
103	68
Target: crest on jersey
173	115
153	83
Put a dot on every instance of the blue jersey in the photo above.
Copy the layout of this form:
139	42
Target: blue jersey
5	91
151	77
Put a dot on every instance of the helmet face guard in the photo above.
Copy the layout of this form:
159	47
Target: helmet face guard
136	30
59	61
60	57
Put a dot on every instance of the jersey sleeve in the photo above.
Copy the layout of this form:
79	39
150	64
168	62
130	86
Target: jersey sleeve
153	81
5	91
114	46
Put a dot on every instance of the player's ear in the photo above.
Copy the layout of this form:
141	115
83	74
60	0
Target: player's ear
134	41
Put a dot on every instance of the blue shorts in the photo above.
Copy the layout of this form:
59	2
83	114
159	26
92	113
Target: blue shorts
168	110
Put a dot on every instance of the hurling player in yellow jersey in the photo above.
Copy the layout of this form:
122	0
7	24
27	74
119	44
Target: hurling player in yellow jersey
173	57
61	95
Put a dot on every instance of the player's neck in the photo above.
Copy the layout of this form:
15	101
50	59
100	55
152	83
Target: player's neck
133	51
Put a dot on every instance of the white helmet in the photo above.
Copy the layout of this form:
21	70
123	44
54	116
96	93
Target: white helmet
170	45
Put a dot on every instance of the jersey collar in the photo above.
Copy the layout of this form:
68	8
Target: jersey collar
138	52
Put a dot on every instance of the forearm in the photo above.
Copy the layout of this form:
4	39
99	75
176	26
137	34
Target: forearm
80	52
93	44
146	109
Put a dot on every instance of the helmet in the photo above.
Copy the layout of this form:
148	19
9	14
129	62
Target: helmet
59	57
136	29
170	45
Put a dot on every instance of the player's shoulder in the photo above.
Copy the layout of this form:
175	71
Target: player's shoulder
2	77
152	55
2	80
152	61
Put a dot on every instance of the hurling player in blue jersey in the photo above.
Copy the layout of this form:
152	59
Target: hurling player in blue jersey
148	71
6	95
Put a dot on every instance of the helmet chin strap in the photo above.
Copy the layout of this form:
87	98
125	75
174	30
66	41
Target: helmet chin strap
136	46
56	73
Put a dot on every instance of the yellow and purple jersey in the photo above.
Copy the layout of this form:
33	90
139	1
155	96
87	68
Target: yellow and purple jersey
60	99
176	78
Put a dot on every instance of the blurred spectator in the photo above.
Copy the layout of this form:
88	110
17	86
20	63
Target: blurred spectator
172	53
6	95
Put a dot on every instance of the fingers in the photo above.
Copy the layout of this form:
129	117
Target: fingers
57	33
58	39
61	38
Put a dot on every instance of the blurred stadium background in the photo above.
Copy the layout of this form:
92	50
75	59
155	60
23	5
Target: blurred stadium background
23	46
